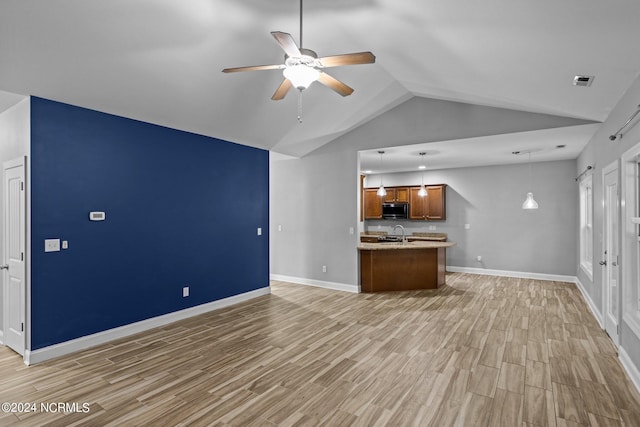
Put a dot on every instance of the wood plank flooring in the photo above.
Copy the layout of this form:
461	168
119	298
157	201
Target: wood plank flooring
481	351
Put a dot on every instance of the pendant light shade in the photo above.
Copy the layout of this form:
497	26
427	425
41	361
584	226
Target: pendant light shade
381	191
530	202
423	191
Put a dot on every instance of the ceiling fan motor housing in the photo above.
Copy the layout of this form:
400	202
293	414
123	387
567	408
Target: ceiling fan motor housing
308	58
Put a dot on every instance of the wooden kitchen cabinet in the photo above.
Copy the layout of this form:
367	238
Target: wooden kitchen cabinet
397	195
372	204
430	207
436	207
417	205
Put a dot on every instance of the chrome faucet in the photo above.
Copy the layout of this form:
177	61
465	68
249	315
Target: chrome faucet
402	228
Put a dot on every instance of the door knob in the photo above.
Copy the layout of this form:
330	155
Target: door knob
603	262
4	267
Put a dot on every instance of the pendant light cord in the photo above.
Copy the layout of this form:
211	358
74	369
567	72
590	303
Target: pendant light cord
381	153
530	175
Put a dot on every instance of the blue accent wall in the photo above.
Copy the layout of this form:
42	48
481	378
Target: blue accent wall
181	210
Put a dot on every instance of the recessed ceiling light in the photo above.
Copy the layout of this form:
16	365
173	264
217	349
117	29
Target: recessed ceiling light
520	152
583	80
422	167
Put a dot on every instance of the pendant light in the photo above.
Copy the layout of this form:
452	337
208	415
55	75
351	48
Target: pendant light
381	191
423	191
530	202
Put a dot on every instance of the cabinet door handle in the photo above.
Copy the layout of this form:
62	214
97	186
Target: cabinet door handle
603	262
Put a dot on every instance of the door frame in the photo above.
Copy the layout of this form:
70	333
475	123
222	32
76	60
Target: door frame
24	162
615	337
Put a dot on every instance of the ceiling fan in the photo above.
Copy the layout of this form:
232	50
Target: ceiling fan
302	66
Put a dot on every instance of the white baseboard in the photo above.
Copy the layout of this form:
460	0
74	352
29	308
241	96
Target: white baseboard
592	306
630	367
317	283
82	343
506	273
1	337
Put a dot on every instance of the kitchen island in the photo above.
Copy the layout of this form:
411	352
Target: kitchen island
396	266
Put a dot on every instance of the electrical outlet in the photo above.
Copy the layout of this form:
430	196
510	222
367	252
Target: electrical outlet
478	258
52	245
259	231
65	244
185	292
324	268
351	230
467	226
279	227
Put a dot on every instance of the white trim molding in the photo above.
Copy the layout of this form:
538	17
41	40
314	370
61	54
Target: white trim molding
82	343
1	337
507	273
630	367
317	283
592	306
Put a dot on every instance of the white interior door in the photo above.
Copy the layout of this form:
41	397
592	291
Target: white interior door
13	266
611	259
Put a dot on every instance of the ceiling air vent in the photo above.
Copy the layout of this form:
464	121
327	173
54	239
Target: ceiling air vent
583	80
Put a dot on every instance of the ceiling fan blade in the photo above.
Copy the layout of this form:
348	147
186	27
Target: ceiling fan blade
348	59
287	43
334	84
254	68
282	90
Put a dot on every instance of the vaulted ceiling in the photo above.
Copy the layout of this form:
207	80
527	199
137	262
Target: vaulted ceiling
160	61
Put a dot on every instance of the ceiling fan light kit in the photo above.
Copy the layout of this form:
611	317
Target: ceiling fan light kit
302	67
301	76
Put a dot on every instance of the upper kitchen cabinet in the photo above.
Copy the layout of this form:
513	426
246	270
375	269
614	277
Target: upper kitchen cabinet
430	207
372	204
397	195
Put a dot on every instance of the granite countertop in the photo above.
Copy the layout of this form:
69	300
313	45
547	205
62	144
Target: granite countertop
408	245
427	238
416	236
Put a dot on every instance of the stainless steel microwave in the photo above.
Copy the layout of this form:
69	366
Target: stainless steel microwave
395	211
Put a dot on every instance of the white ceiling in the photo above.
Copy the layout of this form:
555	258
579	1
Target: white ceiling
160	61
544	145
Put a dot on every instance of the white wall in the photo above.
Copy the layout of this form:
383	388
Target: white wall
314	198
600	152
15	134
489	199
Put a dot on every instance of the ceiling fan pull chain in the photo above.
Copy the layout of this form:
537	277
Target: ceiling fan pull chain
299	106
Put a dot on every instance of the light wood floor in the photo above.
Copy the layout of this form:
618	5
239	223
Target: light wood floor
480	351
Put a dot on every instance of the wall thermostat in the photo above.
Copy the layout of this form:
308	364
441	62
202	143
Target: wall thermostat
96	216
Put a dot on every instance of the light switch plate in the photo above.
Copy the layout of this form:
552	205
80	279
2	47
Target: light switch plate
52	245
65	244
259	231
